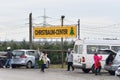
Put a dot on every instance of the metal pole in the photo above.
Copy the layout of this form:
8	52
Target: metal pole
62	17
78	28
30	30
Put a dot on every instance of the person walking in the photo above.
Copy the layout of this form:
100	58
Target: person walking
69	60
44	59
37	56
9	58
97	63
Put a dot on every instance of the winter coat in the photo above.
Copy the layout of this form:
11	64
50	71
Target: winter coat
97	61
37	56
110	59
44	58
69	57
9	55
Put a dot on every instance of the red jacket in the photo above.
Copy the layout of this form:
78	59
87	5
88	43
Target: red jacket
97	60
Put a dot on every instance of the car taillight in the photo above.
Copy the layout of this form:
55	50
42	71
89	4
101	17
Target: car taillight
23	56
83	59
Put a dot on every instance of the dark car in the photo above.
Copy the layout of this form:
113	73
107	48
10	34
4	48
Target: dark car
2	59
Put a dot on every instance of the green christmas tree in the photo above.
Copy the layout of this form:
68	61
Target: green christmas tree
71	31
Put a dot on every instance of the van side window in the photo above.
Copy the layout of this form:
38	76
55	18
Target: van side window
91	49
78	49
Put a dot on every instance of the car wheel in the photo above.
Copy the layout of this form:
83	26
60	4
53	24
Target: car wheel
29	64
111	72
86	70
93	69
14	66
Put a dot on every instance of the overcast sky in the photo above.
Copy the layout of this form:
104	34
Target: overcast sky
98	18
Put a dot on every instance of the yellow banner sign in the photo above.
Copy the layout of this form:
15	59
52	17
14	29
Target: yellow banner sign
55	32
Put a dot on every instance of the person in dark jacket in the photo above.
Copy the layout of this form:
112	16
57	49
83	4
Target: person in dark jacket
9	58
110	59
37	56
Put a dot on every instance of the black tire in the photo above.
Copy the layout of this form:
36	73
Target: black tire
93	69
14	66
111	72
29	65
86	70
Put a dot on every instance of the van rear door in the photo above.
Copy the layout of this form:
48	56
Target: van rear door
77	55
77	61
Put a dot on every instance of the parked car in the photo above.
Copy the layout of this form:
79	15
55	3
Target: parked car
2	58
23	57
117	72
112	62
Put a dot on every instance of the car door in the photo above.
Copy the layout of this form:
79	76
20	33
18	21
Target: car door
30	56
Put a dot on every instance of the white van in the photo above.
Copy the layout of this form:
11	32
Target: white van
84	50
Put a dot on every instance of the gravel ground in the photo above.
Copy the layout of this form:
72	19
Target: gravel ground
52	74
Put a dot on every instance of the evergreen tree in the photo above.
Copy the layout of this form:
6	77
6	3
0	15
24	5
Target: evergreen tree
72	31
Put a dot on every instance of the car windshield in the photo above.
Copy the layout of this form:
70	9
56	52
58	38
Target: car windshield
18	53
